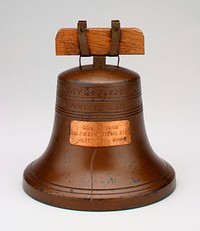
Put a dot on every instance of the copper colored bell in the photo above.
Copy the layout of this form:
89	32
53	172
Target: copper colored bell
99	156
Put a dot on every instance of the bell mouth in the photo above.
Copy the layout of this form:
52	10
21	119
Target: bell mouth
99	199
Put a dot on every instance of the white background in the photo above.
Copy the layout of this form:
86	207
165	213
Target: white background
170	73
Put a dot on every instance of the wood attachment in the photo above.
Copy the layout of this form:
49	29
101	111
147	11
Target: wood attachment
99	41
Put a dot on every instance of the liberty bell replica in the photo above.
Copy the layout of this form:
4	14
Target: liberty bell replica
99	157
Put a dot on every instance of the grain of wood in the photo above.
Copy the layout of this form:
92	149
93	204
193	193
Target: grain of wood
132	41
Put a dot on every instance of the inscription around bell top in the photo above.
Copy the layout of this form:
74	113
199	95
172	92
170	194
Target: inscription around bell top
114	91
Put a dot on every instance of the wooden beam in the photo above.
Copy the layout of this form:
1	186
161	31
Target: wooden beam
131	43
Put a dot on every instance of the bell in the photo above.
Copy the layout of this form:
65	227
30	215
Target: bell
99	156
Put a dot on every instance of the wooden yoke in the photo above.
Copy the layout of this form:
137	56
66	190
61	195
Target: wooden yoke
99	41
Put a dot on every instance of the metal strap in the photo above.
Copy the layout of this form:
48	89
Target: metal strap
115	38
82	38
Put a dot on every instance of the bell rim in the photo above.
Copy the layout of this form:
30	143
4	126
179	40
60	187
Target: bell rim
104	200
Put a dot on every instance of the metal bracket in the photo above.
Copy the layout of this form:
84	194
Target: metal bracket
82	38
115	38
98	61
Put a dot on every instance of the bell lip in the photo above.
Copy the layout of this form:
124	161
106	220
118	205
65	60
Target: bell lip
107	200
